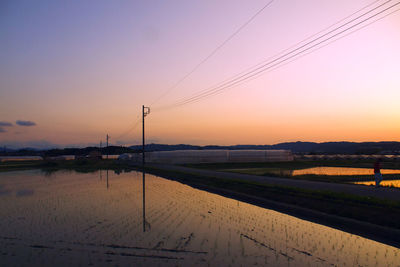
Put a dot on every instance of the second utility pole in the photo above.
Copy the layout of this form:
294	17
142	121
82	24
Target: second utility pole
107	137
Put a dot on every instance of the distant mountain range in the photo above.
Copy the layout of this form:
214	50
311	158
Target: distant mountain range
296	147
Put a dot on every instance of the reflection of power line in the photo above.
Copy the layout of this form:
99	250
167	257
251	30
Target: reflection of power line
293	54
212	52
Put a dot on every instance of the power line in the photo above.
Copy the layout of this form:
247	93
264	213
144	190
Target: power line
200	63
133	127
300	56
240	78
258	73
280	60
337	39
212	52
287	49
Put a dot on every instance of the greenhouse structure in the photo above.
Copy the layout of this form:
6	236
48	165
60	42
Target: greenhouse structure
209	156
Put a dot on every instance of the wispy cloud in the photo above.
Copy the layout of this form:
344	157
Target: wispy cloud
5	124
25	123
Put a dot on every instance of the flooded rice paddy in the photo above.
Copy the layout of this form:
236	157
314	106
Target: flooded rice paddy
70	219
338	171
318	171
391	183
327	171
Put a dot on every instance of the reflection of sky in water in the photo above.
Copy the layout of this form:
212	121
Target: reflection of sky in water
332	171
394	183
75	219
24	193
341	171
4	191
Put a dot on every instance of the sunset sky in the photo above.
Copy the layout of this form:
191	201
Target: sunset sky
73	71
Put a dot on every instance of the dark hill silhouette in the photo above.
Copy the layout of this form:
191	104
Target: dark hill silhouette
295	147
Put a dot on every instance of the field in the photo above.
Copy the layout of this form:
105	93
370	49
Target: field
321	206
103	218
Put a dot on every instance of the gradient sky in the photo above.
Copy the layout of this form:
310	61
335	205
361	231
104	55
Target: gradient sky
81	69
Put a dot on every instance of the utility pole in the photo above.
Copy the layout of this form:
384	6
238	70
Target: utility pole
107	137
101	153
145	112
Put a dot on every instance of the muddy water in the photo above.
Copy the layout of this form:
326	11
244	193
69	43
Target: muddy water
70	219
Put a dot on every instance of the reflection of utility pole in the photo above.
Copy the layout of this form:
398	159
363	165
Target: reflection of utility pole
144	202
107	179
146	224
107	137
145	112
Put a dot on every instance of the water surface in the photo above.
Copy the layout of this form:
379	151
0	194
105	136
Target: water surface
391	183
338	171
319	171
69	219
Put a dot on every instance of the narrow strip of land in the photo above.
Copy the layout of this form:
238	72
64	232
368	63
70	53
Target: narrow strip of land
360	190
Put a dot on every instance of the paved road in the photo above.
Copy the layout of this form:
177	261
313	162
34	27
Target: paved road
361	190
